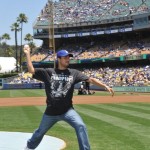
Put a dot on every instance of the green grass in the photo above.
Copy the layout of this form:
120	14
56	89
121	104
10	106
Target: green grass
110	126
21	93
124	126
33	93
39	92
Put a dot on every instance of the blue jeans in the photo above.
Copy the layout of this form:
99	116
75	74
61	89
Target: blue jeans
72	118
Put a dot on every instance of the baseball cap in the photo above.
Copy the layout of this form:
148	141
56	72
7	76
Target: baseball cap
63	53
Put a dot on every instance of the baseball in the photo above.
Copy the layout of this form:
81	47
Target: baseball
26	46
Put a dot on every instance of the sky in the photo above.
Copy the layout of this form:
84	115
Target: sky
10	10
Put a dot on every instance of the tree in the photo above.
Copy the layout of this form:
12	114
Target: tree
9	52
21	19
28	38
32	46
0	39
5	37
15	27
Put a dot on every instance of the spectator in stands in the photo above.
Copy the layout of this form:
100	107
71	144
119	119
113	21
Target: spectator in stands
59	86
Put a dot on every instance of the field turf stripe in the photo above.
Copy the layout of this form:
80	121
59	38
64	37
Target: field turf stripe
15	93
130	108
129	117
142	104
111	137
147	107
124	111
125	124
35	93
19	118
102	135
22	93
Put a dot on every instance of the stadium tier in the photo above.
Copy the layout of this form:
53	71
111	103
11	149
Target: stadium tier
94	29
95	17
99	48
76	11
114	77
108	38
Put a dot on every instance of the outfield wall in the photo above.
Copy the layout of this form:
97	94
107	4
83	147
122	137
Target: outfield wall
1	81
132	89
7	86
92	87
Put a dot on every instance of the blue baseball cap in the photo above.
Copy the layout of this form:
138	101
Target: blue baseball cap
63	53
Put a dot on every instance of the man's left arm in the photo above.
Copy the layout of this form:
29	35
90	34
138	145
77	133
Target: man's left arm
99	83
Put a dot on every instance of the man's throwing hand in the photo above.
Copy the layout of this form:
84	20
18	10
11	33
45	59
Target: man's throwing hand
26	49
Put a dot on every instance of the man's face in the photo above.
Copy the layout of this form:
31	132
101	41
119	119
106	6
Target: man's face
64	61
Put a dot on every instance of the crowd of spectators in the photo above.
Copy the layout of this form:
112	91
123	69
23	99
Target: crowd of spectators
76	11
129	76
24	78
120	76
39	54
125	76
105	49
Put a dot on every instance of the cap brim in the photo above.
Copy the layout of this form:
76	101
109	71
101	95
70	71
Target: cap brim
70	55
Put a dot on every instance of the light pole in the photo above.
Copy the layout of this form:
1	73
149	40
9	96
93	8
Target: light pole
51	28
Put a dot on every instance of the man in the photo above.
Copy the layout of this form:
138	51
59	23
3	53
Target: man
87	87
59	86
82	90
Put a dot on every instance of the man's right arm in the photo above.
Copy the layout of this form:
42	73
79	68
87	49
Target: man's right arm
28	57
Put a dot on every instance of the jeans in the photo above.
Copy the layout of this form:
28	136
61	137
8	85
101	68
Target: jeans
72	118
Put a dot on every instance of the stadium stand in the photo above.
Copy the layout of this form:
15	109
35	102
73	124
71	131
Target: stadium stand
115	51
67	11
107	48
130	76
23	78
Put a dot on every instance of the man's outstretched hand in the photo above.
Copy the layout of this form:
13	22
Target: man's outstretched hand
110	90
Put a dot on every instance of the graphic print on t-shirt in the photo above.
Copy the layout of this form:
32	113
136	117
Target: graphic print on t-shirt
60	84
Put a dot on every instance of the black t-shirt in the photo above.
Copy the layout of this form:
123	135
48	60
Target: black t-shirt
59	86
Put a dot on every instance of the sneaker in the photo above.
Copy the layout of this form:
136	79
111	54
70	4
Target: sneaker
26	148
